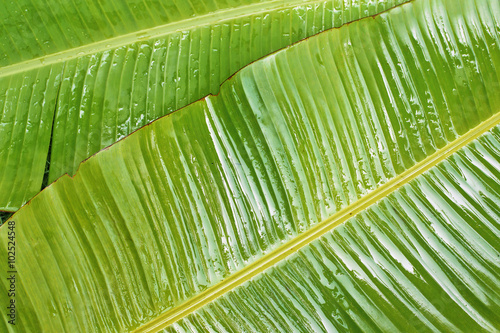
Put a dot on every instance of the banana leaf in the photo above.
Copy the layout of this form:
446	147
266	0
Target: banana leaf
350	182
76	77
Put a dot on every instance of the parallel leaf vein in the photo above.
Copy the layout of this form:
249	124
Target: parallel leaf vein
292	246
150	33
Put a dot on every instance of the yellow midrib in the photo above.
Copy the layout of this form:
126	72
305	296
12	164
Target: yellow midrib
155	32
315	232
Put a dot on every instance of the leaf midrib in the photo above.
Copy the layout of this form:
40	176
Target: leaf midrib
150	33
295	244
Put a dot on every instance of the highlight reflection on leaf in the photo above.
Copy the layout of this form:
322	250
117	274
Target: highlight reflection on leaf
173	226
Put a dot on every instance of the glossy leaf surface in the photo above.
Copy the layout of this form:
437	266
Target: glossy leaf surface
426	258
196	197
79	76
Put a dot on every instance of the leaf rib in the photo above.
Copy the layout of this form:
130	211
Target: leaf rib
147	34
292	246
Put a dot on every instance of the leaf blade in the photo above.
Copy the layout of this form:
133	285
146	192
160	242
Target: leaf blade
95	107
422	259
155	203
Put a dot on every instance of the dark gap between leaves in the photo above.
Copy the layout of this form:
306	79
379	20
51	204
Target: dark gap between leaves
45	179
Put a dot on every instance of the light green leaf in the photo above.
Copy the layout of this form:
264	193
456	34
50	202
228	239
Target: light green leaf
79	76
423	259
361	147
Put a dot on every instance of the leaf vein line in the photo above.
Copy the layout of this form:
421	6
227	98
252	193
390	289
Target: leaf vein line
151	33
295	244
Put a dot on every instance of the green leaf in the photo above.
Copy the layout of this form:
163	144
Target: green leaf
425	258
77	77
373	150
